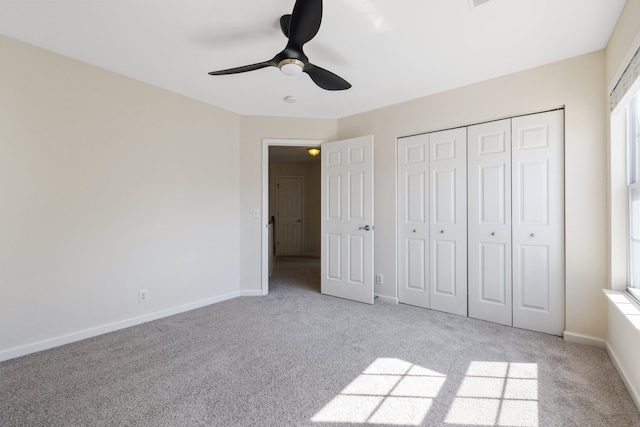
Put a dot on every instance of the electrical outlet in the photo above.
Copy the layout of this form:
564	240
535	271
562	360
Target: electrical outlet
143	296
378	279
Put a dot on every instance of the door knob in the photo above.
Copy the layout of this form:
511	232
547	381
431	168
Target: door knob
365	228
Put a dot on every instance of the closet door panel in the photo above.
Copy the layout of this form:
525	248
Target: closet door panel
538	222
448	221
533	277
413	220
489	219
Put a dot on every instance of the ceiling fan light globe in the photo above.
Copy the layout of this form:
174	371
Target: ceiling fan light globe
291	67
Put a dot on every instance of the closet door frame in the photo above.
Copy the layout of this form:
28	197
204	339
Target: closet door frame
531	278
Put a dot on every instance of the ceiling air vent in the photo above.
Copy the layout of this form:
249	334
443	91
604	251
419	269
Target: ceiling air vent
476	3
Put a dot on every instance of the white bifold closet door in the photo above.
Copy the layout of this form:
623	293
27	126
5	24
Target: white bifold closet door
516	222
413	220
481	221
538	222
432	221
489	189
448	222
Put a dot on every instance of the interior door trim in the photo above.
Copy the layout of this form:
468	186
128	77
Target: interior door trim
264	217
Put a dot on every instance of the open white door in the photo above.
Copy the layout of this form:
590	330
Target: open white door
347	219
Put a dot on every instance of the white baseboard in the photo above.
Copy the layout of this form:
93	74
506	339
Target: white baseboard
584	339
256	293
111	327
625	378
386	299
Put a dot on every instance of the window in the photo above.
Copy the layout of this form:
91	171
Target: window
624	179
633	156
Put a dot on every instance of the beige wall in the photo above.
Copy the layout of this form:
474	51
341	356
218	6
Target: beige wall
576	84
622	38
310	171
253	129
108	186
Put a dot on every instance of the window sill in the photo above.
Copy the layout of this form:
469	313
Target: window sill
635	294
626	304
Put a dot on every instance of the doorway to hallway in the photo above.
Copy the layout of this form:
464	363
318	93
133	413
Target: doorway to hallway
296	272
291	202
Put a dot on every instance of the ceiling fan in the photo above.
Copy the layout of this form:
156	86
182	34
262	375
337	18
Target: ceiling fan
299	27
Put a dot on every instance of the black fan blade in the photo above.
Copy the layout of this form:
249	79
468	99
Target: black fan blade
285	22
305	21
326	79
244	69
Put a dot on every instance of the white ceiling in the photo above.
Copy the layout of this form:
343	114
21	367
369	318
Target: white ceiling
390	51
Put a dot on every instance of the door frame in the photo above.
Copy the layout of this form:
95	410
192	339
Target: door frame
266	143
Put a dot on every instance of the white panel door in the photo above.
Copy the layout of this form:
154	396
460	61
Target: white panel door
489	200
347	219
538	222
413	220
448	221
289	225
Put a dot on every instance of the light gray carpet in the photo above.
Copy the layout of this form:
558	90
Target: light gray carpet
297	358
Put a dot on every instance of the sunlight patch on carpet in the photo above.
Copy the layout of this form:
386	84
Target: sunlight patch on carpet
497	393
390	392
396	392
